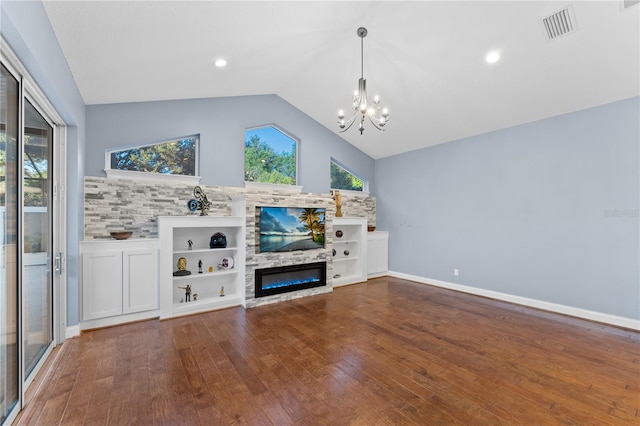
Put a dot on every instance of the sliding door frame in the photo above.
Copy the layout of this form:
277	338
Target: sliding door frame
30	91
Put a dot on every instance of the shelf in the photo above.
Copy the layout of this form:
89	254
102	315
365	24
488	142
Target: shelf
336	241
348	279
205	250
187	308
345	259
204	275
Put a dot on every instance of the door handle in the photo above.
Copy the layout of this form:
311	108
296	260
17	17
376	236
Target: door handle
59	263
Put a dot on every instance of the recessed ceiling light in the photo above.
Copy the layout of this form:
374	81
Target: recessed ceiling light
493	57
220	63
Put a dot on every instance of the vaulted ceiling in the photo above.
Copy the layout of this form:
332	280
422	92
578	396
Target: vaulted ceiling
426	59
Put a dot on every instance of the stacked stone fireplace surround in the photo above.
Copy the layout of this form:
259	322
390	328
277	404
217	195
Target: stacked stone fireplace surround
123	204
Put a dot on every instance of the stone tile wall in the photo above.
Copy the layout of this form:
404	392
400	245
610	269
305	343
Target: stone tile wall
256	260
123	204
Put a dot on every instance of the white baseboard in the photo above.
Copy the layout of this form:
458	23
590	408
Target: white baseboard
630	323
119	319
377	275
72	331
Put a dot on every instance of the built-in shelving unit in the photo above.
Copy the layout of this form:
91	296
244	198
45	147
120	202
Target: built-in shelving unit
213	286
350	248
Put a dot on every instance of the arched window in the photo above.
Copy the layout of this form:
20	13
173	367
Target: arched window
270	156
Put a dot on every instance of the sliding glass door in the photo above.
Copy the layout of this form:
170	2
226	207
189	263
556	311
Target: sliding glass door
9	320
28	284
37	259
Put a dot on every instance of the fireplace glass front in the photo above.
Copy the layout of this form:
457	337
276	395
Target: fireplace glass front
283	279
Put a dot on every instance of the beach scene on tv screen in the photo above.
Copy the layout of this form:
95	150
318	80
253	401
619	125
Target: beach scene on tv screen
291	228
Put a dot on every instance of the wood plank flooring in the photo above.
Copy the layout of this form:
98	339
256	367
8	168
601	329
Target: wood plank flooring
387	352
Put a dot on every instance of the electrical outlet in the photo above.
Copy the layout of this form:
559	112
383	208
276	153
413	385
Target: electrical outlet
456	272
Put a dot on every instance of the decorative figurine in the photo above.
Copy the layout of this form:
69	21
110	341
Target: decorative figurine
195	297
226	263
187	292
210	268
200	203
338	199
200	266
218	240
182	268
190	244
222	291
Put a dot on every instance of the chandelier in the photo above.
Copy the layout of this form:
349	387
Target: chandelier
361	106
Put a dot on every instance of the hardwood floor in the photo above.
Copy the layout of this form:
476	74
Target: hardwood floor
385	352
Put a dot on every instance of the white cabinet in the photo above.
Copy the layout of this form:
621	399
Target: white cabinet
349	250
140	280
119	281
211	284
377	253
101	287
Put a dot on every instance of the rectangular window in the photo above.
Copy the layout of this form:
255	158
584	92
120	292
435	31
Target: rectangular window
172	157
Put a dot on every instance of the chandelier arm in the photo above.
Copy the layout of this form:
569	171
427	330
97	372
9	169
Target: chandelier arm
348	123
349	126
377	116
375	124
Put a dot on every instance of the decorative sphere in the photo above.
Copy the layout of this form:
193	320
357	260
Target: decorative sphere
192	205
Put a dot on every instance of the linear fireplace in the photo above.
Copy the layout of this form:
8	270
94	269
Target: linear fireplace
283	279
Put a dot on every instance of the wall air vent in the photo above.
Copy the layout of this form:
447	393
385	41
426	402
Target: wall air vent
559	24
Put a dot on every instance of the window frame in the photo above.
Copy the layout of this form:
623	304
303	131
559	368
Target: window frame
152	176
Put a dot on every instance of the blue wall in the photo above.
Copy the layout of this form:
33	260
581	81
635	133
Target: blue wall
546	210
26	28
221	123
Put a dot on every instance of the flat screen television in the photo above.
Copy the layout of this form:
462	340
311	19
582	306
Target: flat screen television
285	229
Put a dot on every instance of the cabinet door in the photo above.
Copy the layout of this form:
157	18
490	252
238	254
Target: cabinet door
378	255
372	256
383	255
140	280
101	285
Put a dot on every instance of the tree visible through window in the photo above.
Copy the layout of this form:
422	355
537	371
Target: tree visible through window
270	156
177	157
341	178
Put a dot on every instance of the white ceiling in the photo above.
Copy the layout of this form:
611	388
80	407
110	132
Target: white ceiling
424	58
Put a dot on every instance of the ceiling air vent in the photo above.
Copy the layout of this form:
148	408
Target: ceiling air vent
559	24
